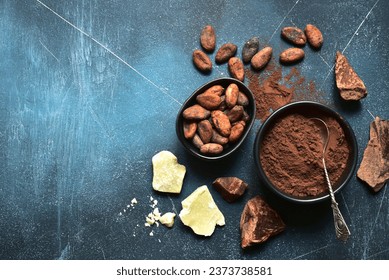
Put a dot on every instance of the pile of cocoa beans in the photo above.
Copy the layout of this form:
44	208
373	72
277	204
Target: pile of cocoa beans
217	119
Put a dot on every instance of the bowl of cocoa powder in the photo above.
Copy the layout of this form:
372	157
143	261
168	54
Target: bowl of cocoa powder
216	118
288	151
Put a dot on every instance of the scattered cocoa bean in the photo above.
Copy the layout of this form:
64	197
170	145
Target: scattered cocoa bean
235	114
232	93
294	35
314	36
236	131
250	48
242	99
197	141
211	149
209	101
236	68
230	188
218	139
202	61
208	38
216	89
291	55
221	123
261	58
204	129
225	52
196	112
189	129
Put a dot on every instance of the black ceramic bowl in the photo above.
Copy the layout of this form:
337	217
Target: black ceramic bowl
309	109
230	148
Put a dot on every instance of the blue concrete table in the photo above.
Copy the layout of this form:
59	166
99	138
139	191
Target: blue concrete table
89	92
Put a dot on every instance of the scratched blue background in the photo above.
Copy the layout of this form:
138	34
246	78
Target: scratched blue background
89	92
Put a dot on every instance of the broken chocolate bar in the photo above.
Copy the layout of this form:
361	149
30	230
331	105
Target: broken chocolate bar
349	84
259	222
230	188
374	168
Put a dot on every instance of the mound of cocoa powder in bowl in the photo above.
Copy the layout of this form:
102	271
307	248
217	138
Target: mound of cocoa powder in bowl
291	155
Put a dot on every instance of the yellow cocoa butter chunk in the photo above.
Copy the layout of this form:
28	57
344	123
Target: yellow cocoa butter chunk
168	174
167	219
200	212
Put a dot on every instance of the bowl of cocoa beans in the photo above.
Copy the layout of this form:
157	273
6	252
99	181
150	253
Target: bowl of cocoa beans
290	146
216	118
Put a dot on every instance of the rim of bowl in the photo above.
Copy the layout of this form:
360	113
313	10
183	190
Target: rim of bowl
250	109
349	133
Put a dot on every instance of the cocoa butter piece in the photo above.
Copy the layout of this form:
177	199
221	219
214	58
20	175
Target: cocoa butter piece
216	89
204	129
250	48
225	52
221	123
294	35
197	141
374	168
349	84
261	58
243	100
196	112
232	93
211	149
230	188
235	114
208	38
202	61
236	131
209	101
189	129
291	55
259	222
218	139
236	68
314	36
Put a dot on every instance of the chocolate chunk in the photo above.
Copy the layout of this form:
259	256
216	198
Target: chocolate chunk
259	222
349	84
230	188
374	168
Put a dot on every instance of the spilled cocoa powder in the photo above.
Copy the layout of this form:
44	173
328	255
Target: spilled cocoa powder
272	90
291	155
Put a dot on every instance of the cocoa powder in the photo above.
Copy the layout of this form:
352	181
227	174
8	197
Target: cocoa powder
291	155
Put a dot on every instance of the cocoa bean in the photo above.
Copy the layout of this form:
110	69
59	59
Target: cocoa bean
225	52
261	58
197	141
236	131
189	129
209	101
218	139
232	93
245	117
250	48
314	36
221	123
291	55
242	99
211	149
196	112
204	129
208	38
236	68
216	89
223	104
294	35
235	113
202	61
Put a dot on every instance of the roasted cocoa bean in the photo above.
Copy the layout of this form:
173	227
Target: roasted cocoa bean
261	58
208	38
221	123
211	149
196	112
236	131
314	36
236	68
209	101
197	141
218	139
225	52
294	35
189	129
235	114
204	129
232	93
250	48
216	89
202	61
242	99
291	55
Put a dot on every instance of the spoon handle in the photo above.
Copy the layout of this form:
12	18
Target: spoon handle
341	228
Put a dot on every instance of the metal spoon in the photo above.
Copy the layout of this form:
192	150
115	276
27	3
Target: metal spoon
341	229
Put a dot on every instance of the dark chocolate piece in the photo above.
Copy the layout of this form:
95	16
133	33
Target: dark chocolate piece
230	188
